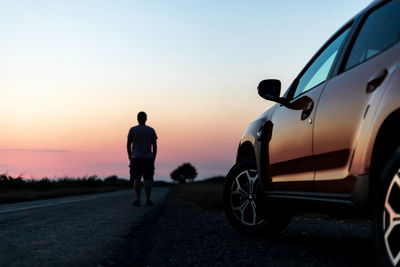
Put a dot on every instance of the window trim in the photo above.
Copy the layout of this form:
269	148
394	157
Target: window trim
359	26
292	88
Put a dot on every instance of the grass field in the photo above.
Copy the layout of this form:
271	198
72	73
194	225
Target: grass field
207	194
16	189
26	195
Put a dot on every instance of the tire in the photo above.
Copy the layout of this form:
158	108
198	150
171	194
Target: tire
245	206
386	214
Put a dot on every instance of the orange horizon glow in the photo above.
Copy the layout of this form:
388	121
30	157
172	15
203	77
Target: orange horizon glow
102	150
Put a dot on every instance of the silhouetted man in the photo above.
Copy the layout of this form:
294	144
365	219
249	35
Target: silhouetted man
141	139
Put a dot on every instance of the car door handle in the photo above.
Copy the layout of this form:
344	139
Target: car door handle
376	80
307	110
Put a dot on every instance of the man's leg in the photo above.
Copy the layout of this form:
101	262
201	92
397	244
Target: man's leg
148	174
138	186
147	189
136	175
132	176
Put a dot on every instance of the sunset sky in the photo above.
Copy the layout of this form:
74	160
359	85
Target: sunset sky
74	74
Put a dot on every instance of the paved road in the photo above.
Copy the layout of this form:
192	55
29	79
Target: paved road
105	230
70	231
182	235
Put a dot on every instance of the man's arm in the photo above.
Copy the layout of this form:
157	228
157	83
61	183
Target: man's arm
129	146
154	150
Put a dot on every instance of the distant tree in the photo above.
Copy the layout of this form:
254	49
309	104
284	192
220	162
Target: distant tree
111	179
184	172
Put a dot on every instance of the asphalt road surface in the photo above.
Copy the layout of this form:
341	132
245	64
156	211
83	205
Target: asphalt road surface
80	230
105	230
183	235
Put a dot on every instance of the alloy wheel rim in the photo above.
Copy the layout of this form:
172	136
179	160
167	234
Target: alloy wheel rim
244	198
391	220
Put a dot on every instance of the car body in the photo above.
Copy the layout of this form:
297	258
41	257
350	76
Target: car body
328	140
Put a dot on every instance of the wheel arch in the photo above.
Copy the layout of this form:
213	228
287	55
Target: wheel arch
257	149
386	142
245	151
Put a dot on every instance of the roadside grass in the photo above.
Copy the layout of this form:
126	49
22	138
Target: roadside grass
17	189
206	194
26	195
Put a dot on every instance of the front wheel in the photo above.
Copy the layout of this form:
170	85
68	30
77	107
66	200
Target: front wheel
245	205
386	219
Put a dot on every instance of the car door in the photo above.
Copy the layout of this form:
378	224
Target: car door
345	101
291	145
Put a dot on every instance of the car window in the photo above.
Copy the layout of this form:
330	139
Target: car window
318	71
380	30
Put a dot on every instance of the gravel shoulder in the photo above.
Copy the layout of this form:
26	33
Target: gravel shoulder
179	234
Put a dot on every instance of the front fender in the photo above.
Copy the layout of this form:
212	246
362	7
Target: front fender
254	143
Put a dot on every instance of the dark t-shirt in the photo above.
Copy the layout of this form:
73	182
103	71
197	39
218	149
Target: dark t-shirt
142	137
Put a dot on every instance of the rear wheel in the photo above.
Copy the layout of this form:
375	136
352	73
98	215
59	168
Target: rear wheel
387	214
245	205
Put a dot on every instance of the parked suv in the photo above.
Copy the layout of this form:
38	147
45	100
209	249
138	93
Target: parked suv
331	143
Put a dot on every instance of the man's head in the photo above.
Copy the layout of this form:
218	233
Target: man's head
141	117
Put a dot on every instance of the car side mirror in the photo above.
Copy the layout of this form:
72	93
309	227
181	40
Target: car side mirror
271	89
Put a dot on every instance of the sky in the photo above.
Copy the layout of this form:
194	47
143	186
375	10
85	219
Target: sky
74	75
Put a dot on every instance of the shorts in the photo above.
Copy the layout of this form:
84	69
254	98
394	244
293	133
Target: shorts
142	168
